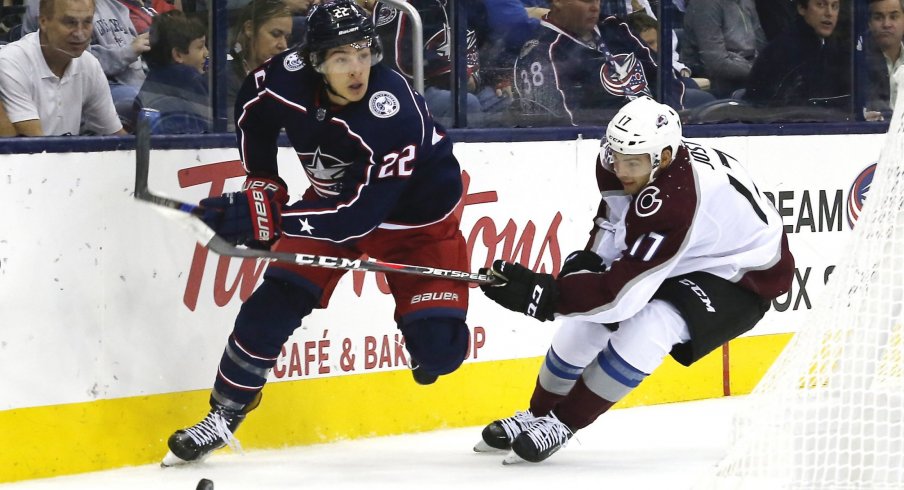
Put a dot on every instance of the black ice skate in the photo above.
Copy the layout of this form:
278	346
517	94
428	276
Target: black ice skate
195	443
498	435
541	440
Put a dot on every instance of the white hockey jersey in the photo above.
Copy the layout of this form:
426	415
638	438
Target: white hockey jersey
702	213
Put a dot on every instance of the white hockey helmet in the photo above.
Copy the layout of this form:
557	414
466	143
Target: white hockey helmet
642	126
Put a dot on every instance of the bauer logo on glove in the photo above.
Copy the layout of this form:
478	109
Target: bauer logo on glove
250	217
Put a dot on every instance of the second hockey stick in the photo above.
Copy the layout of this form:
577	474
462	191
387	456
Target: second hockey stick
188	215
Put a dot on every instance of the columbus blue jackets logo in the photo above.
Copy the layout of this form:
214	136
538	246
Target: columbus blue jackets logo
324	171
293	62
383	104
386	15
624	76
857	195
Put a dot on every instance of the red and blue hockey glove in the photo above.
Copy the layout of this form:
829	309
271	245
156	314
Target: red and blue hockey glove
249	217
522	290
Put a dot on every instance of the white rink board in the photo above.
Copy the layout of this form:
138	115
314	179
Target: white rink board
102	297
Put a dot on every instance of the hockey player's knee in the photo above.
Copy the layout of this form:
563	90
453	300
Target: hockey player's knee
272	313
438	344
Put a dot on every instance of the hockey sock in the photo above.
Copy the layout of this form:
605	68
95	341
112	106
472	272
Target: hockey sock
542	401
263	325
555	380
606	380
581	407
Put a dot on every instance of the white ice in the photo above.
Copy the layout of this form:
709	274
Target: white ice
657	447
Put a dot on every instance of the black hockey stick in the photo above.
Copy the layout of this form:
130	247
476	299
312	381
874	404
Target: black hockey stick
188	215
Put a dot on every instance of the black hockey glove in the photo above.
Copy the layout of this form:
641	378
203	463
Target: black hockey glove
582	260
250	217
522	290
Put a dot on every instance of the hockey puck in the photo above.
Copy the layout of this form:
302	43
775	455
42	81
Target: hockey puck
204	484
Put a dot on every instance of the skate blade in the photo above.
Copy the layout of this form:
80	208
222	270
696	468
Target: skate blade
512	458
483	447
172	460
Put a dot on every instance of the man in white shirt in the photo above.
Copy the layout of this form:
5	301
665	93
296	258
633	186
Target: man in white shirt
48	83
886	26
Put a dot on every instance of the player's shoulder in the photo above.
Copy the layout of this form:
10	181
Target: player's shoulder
385	78
671	200
389	95
284	70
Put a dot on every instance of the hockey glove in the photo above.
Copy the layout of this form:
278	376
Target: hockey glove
522	290
582	260
250	217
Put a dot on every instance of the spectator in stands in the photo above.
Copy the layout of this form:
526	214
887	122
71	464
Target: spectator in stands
395	32
624	9
885	54
776	16
261	31
581	71
722	39
141	13
176	85
621	8
805	66
118	46
647	29
164	6
299	10
6	127
49	84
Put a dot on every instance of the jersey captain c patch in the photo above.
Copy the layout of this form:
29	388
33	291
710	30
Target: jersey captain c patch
383	104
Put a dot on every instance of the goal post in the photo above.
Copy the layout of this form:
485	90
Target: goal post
829	413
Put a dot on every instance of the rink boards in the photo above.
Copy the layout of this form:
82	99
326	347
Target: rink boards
113	320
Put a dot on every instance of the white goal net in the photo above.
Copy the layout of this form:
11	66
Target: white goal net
829	414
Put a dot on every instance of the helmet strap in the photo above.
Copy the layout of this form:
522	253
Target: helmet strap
330	90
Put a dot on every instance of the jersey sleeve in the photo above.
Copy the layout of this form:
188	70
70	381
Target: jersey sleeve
657	229
607	238
257	131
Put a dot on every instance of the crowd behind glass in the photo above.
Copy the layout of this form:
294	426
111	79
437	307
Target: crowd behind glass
522	63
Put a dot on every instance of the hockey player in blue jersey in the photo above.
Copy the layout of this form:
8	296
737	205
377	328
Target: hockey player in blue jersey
384	183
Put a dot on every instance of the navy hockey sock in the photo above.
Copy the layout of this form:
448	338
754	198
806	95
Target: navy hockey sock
263	325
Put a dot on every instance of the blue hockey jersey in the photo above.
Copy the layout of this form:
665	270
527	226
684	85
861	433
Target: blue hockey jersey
379	162
561	80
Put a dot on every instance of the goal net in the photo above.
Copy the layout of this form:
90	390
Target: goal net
829	413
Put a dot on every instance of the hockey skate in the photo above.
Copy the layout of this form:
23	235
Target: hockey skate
195	443
498	435
539	441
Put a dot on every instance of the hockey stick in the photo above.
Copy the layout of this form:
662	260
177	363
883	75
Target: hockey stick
188	215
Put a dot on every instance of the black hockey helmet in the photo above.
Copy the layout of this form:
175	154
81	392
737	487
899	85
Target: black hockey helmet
337	23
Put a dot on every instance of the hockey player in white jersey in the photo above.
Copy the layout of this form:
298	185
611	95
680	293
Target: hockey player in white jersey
685	254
